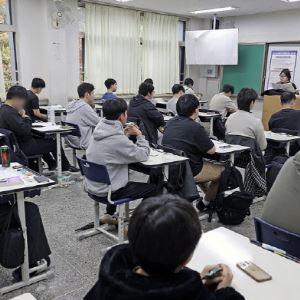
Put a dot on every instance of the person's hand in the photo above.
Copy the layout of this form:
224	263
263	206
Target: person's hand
223	280
132	130
23	113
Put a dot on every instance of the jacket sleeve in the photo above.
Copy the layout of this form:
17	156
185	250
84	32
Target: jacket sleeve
130	153
19	126
260	135
228	294
154	115
91	118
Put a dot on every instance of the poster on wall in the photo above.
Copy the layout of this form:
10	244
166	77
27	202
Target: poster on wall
282	57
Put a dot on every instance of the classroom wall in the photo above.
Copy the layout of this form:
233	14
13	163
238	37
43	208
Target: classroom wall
44	51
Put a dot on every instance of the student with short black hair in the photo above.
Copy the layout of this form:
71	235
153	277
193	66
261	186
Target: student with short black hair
153	265
149	80
32	106
288	117
112	86
285	78
110	146
142	109
222	102
177	90
13	117
80	112
188	86
185	134
243	122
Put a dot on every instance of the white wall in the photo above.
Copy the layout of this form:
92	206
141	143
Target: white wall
43	51
266	28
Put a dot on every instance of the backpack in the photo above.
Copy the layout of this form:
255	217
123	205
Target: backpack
274	170
232	209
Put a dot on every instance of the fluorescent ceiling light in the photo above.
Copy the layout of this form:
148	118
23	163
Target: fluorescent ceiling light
290	1
123	0
214	10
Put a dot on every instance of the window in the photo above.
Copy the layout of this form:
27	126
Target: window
5	12
181	40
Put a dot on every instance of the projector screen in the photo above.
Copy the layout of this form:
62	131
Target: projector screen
212	47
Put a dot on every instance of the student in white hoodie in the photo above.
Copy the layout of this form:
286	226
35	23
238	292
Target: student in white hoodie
110	146
80	112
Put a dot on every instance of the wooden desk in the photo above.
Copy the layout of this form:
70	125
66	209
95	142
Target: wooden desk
224	246
29	184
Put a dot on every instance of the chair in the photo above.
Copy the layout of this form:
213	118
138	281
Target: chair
99	174
277	237
75	132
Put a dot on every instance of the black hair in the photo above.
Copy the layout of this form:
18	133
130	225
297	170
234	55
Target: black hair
287	73
149	80
145	89
177	88
228	88
16	91
245	97
38	83
112	109
186	105
163	233
109	82
188	81
287	97
83	88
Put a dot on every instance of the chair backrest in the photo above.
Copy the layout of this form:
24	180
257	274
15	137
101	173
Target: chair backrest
75	131
93	171
170	149
277	237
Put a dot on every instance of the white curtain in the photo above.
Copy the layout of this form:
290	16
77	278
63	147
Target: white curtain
2	81
160	54
112	47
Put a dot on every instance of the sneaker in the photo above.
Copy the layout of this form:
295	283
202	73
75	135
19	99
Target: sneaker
72	169
109	220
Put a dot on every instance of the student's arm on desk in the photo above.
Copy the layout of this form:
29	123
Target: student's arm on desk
212	150
20	125
154	115
39	115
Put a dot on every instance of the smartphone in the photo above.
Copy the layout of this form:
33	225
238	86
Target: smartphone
212	273
254	271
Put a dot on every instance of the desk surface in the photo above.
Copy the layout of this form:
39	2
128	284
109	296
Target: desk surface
224	148
281	137
160	158
56	108
26	180
209	114
224	246
26	296
48	127
168	118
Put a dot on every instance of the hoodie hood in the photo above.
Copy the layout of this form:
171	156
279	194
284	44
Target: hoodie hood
107	128
137	101
75	105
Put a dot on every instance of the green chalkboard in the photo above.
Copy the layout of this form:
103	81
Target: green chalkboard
249	71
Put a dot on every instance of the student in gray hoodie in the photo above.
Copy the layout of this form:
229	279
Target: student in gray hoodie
81	113
110	146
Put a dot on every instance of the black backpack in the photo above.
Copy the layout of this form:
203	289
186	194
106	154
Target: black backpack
232	209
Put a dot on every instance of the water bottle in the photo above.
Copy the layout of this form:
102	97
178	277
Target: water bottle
51	115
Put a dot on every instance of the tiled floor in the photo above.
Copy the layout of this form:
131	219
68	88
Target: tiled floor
75	263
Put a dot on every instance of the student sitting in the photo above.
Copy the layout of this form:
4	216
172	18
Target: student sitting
153	265
243	122
184	133
111	146
32	106
38	247
282	206
177	90
142	109
112	87
288	117
14	118
81	113
188	86
222	102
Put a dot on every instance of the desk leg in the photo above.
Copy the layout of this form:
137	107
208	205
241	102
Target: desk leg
288	148
231	158
21	211
58	149
166	172
211	133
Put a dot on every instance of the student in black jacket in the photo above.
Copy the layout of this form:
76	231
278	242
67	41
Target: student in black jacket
142	109
14	118
163	234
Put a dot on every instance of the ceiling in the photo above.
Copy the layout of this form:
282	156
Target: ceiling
184	7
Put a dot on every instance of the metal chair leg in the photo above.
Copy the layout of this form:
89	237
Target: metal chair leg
74	158
121	224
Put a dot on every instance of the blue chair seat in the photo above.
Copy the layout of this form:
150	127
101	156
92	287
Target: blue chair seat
104	200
